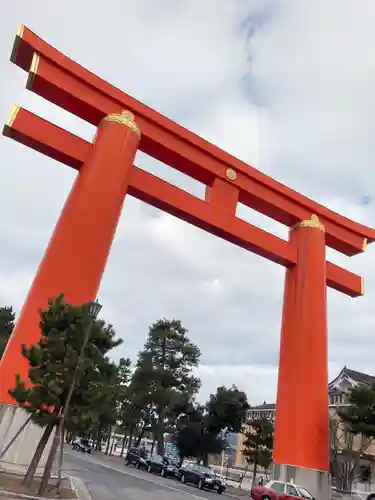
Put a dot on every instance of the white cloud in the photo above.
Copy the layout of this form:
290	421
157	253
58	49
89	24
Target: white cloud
284	85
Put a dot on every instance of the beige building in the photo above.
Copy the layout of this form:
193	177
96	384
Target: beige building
338	391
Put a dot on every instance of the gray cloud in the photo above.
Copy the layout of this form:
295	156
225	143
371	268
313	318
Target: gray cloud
285	87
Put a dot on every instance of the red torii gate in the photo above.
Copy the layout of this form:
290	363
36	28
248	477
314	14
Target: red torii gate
76	256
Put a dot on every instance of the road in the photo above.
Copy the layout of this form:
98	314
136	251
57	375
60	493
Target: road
109	479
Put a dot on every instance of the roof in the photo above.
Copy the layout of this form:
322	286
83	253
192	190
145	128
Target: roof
353	376
359	377
264	406
362	378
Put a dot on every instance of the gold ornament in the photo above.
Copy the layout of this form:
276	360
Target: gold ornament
313	223
125	118
231	174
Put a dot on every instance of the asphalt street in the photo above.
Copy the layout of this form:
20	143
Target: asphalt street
111	480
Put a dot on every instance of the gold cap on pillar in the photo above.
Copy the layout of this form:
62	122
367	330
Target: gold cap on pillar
314	223
125	118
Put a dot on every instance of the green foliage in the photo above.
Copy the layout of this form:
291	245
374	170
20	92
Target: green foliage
53	362
202	429
346	453
123	376
158	395
359	417
227	409
121	386
113	390
163	382
194	438
92	403
7	317
258	443
265	458
351	433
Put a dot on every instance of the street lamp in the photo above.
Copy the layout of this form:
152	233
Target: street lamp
94	308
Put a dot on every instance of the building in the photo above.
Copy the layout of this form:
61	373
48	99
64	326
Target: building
338	391
339	388
265	410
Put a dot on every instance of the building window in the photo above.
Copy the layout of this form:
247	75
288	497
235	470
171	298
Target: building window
335	399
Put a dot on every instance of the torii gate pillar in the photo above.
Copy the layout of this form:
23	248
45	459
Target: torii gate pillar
301	433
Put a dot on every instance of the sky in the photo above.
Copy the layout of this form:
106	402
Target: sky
286	86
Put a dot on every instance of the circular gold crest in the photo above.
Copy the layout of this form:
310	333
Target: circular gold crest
231	174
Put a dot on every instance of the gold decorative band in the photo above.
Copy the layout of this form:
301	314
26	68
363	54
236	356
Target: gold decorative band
125	118
12	115
33	71
314	222
20	30
34	63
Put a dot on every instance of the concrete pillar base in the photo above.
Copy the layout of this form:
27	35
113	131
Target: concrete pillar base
19	455
318	483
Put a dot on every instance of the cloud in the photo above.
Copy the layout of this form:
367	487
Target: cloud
366	200
285	86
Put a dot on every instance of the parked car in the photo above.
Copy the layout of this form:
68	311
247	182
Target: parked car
139	457
278	490
163	466
82	445
202	477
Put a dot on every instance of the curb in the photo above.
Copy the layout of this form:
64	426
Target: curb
243	497
80	488
11	494
77	485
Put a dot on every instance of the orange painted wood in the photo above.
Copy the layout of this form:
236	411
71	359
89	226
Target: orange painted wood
223	194
43	136
344	281
69	85
301	427
161	194
78	250
57	143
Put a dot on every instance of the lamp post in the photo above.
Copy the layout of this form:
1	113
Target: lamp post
93	307
224	433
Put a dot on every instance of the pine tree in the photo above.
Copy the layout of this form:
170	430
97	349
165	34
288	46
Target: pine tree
202	430
258	443
164	371
7	317
194	438
112	400
227	409
352	431
55	364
